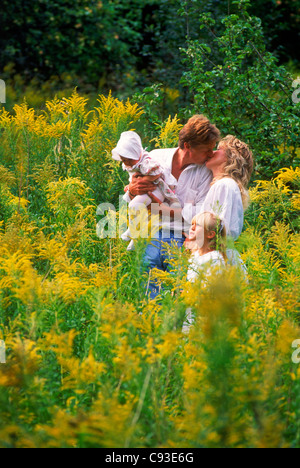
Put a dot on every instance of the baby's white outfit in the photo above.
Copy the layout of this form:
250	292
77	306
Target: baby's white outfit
165	181
130	146
165	188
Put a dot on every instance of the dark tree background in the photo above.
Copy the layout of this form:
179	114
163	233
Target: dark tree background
134	40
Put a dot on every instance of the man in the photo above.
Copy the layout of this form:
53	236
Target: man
186	164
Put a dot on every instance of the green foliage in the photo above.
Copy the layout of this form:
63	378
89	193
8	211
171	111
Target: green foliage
239	85
120	45
276	201
100	43
280	20
49	38
91	360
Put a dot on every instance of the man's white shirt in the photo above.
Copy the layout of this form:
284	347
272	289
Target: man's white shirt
191	189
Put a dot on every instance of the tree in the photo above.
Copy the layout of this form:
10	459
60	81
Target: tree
241	87
78	36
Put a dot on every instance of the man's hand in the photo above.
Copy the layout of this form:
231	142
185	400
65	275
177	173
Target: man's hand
141	185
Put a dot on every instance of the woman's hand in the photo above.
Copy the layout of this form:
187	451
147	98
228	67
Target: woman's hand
141	185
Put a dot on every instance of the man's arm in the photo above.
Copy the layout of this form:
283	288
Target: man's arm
141	185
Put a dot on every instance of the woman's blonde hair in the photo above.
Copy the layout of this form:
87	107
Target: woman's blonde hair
212	222
239	164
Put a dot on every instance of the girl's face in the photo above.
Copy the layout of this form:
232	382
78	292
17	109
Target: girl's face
196	234
128	162
200	236
218	160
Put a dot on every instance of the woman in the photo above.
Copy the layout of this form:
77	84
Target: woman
232	166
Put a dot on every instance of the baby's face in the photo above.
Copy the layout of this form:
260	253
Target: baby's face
128	162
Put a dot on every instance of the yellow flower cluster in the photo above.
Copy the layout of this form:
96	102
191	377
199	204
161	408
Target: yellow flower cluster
273	192
168	133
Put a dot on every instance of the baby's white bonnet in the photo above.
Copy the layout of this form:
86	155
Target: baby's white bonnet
129	146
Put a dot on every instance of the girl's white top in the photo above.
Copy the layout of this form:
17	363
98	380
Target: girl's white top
210	263
211	260
206	263
225	200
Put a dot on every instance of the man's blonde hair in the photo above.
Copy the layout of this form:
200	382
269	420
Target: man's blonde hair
239	164
198	131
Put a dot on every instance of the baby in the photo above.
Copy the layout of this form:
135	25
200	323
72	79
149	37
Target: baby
135	159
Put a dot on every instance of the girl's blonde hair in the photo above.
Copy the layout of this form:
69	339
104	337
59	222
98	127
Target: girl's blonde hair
239	164
211	222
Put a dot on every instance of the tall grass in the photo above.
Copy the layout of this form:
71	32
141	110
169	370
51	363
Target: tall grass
91	360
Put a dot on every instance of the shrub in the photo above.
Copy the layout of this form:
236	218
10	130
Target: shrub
239	85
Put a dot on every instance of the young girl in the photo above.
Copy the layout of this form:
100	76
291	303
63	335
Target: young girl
135	159
207	241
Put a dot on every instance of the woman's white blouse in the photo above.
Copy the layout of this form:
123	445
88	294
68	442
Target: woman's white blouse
225	200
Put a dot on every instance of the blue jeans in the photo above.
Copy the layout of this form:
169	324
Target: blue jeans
157	256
